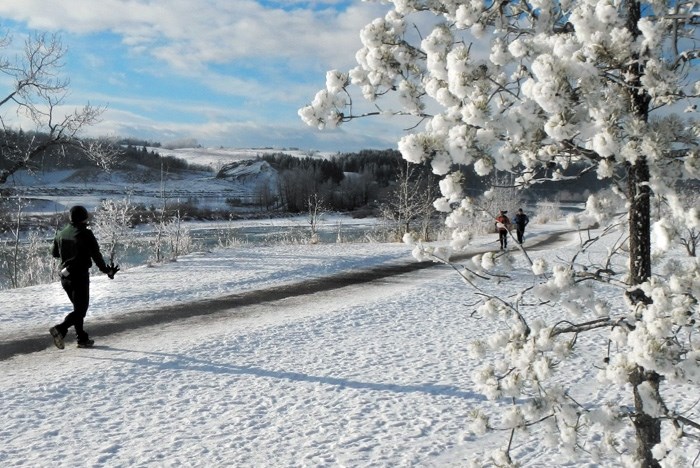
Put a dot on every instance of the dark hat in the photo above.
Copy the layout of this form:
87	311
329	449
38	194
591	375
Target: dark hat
78	214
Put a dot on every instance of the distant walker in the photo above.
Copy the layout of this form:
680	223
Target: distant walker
503	227
520	220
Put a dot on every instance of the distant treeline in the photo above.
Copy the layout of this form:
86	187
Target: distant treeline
131	156
380	164
349	181
345	182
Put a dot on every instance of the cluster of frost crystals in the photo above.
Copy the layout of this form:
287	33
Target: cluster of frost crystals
479	423
660	341
461	220
336	81
461	238
435	46
539	266
451	187
442	205
410	97
415	147
425	252
323	112
600	209
662	233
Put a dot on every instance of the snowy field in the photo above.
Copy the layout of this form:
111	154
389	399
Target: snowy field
375	374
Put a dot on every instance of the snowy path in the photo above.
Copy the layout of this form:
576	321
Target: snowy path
318	383
368	374
21	342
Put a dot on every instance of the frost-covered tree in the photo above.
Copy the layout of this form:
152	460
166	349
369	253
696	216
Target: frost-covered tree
112	223
23	257
316	209
33	89
549	90
667	228
408	205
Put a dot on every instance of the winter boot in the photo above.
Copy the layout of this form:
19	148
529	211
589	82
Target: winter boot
86	343
57	337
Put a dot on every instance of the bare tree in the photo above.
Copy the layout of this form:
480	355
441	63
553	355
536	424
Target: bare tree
681	227
504	194
23	258
410	202
264	195
112	223
316	210
37	92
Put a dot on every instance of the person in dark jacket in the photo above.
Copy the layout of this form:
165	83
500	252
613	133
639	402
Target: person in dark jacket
520	220
77	248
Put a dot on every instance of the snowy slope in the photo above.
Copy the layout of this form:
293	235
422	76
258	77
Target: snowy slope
366	375
56	191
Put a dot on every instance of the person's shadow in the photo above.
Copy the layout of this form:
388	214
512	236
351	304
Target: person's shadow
178	362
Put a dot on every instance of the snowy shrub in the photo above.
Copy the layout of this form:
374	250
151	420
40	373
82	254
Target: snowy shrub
111	224
27	261
547	212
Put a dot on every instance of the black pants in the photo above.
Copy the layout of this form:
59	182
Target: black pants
77	286
520	231
503	238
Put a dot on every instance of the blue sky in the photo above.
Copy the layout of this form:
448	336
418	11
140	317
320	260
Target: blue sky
226	73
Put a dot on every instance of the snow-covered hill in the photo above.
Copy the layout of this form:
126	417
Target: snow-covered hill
248	171
56	191
233	174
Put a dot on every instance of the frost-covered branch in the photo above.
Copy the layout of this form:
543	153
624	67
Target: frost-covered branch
580	327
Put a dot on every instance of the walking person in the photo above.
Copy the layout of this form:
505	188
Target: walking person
503	227
77	248
520	220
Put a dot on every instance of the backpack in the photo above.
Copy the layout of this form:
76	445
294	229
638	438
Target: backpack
503	219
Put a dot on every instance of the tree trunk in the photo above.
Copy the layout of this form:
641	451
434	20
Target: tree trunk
648	427
639	222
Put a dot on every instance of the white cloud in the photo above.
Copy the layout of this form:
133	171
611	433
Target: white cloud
241	134
187	34
224	51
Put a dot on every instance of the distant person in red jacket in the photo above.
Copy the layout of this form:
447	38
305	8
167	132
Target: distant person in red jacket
77	248
503	227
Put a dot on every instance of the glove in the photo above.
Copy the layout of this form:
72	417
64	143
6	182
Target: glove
113	269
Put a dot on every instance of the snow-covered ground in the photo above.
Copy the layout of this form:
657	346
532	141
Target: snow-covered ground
375	374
